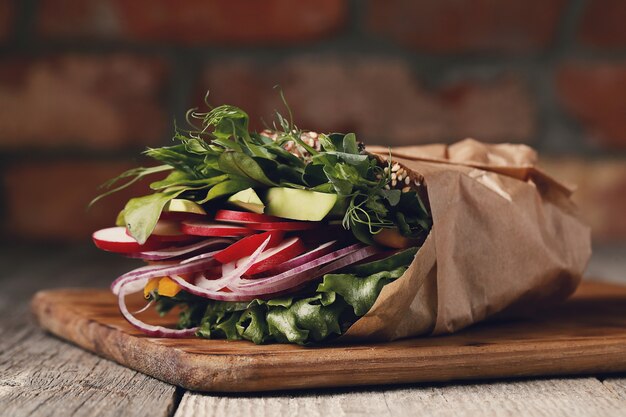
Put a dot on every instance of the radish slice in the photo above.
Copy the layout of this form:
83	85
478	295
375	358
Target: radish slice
153	271
285	226
321	250
244	217
115	239
275	256
149	329
198	228
176	251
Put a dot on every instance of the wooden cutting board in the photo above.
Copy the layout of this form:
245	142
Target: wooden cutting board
585	335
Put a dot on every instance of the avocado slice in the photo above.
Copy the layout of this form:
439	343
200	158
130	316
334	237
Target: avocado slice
291	203
184	206
247	199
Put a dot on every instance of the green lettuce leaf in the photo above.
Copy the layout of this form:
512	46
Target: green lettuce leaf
337	302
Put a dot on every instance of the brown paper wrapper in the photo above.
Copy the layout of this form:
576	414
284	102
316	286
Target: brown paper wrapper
506	240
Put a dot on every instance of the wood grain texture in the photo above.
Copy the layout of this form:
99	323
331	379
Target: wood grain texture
550	397
44	376
585	335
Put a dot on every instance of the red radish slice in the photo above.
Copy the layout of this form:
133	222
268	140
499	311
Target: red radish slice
198	228
275	256
244	217
321	250
285	226
115	239
247	246
176	251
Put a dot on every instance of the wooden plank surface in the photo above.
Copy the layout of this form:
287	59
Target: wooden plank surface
549	397
26	269
587	334
44	376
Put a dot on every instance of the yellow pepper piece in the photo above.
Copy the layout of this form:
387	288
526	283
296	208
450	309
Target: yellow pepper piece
168	287
150	286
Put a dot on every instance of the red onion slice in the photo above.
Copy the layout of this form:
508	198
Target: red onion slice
229	274
176	251
160	271
144	308
149	329
277	286
198	257
288	280
254	283
311	255
210	294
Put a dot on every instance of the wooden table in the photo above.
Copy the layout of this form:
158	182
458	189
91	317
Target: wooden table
42	375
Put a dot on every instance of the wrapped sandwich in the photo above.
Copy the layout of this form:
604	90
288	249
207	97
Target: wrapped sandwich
301	237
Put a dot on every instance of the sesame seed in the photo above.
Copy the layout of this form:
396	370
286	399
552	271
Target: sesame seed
395	168
393	176
407	180
394	183
399	177
386	170
387	187
406	189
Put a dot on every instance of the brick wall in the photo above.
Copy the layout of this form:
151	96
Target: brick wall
85	85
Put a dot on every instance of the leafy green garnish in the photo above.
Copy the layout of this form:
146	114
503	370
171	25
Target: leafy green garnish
218	156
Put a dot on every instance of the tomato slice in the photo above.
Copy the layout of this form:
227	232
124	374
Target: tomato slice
285	250
198	228
285	226
234	216
115	239
247	246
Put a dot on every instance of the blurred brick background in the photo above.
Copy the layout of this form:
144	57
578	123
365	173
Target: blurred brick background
86	84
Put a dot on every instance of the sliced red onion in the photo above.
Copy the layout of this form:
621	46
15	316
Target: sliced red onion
311	255
207	293
198	257
288	280
229	267
230	274
177	251
149	329
144	308
161	271
253	283
203	282
349	259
